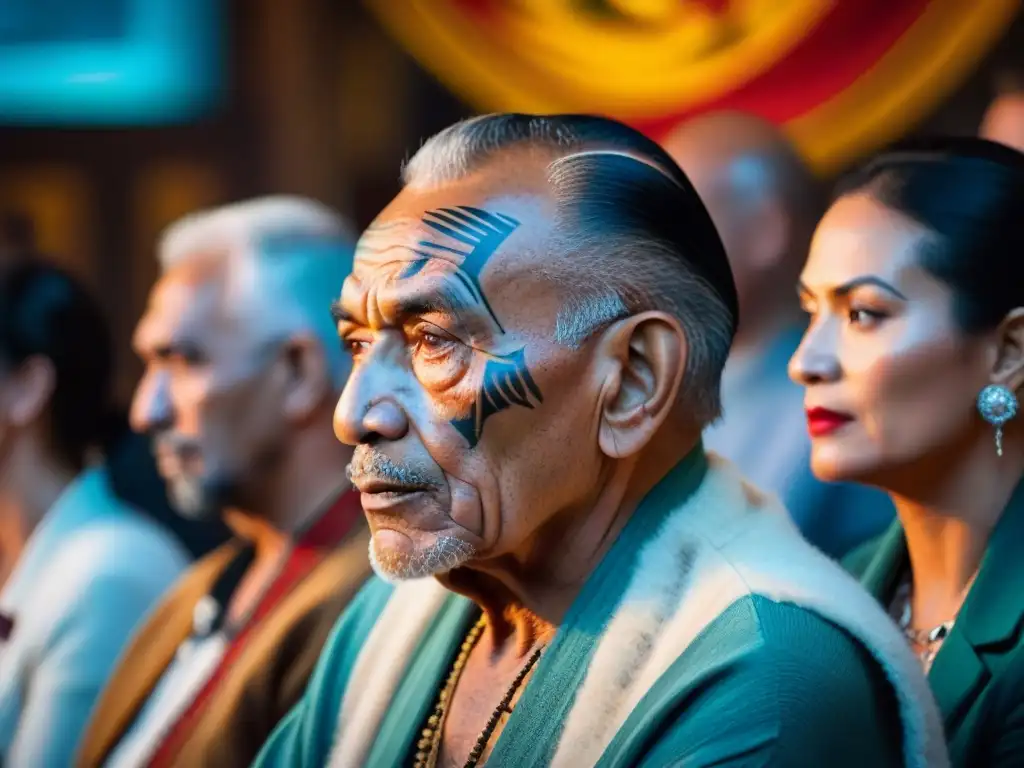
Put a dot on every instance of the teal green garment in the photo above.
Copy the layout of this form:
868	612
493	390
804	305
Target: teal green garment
306	735
764	684
857	560
767	684
978	674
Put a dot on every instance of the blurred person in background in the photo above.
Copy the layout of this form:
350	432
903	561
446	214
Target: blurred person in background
17	238
242	370
130	465
79	567
765	203
134	477
1004	120
913	366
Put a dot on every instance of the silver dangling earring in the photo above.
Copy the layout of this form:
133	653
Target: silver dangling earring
997	405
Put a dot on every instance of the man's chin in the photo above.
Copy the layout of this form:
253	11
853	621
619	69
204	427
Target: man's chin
192	503
407	562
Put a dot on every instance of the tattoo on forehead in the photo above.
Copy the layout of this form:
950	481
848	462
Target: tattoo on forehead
477	232
468	237
464	236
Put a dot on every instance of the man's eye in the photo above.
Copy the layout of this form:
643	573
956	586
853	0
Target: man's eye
355	347
432	345
431	339
182	361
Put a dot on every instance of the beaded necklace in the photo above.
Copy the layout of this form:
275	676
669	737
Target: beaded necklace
927	642
429	746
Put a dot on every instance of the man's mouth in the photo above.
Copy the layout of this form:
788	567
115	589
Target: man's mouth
170	465
176	458
379	487
386	496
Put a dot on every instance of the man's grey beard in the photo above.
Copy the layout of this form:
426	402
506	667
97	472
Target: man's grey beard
445	554
192	500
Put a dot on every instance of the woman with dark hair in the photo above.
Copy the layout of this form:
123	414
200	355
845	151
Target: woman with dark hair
913	364
78	566
129	461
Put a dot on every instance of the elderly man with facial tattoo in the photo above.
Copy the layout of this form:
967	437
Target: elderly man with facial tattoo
538	323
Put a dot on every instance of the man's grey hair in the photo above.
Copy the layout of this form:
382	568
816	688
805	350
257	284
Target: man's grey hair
286	258
632	235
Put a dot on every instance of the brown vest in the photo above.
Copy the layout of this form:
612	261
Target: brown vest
264	670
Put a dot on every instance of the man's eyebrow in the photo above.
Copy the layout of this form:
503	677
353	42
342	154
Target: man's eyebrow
165	348
339	314
444	298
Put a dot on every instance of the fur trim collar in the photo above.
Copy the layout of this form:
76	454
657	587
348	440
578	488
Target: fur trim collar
725	542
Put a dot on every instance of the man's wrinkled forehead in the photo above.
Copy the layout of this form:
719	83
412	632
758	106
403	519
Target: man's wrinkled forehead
187	302
454	243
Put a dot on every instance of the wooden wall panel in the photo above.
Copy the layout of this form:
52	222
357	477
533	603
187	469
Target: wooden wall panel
163	191
58	200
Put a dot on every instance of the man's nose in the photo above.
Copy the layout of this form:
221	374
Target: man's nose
367	411
151	405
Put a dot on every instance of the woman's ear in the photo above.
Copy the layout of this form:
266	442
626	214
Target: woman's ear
1008	369
644	359
29	387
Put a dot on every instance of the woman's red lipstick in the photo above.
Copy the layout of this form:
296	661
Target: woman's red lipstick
821	421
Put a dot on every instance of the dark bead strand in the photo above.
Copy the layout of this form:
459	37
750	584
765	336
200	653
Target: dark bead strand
429	745
505	706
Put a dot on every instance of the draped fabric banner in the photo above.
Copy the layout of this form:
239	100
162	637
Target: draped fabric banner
843	76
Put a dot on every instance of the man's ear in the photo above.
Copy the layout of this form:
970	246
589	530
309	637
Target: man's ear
644	357
27	391
309	379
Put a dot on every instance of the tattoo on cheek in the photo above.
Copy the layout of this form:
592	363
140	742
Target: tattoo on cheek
473	235
506	382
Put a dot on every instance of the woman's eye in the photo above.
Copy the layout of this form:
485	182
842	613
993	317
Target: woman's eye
865	318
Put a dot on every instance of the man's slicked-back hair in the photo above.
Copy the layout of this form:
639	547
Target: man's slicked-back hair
633	235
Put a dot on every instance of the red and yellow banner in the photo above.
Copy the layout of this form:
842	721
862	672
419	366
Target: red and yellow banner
843	76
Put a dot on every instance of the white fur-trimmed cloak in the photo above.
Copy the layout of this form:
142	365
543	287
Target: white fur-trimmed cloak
738	543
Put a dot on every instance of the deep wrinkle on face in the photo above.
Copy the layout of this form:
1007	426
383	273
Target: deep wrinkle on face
431	273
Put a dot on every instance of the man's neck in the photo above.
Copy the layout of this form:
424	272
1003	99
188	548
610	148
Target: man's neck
306	488
528	593
271	546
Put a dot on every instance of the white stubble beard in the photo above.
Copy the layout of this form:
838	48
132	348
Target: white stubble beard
446	554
